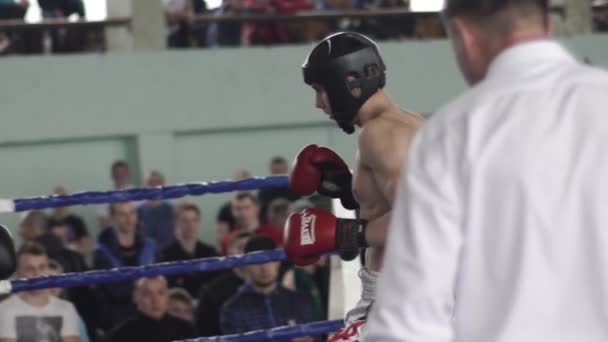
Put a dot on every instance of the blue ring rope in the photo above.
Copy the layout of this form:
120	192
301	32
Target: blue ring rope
280	333
152	270
140	194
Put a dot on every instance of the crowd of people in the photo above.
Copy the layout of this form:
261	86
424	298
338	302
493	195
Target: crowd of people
183	31
162	309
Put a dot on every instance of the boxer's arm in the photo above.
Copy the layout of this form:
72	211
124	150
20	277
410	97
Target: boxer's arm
384	155
415	291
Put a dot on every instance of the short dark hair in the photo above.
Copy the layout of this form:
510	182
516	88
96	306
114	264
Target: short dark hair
31	248
246	195
487	8
119	163
278	206
37	218
260	243
187	206
278	160
181	295
112	207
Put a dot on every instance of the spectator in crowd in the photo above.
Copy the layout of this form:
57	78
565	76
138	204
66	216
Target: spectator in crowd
277	214
181	31
56	269
213	295
187	247
309	280
246	213
278	167
120	245
36	315
261	302
224	223
600	15
226	33
268	33
34	228
152	323
11	10
64	40
181	304
157	215
389	28
76	232
120	180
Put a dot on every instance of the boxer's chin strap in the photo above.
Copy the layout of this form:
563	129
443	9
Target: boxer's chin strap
350	237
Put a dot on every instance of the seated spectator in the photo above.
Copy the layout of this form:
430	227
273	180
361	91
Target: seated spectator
151	323
278	211
246	213
261	302
224	223
36	315
76	234
118	246
181	304
278	167
34	227
11	10
56	269
600	15
389	28
119	172
187	247
157	215
226	33
213	295
64	40
178	14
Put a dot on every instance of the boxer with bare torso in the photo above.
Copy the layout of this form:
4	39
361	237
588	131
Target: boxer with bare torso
348	75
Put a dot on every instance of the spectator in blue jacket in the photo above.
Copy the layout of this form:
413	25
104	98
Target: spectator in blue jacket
157	216
120	245
262	303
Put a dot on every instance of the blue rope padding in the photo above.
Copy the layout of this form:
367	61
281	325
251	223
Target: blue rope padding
140	194
281	333
132	273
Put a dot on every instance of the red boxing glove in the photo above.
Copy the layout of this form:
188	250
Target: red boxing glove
321	169
314	232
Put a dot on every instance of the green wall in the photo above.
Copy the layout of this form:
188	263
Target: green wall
194	115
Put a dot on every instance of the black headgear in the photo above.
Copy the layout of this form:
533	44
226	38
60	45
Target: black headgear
330	64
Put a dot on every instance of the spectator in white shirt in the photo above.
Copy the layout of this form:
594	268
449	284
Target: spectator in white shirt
37	315
499	230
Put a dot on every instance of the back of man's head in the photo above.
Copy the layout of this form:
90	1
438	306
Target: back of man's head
482	29
499	16
33	225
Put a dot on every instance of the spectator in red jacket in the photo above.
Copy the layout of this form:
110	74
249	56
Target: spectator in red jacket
268	33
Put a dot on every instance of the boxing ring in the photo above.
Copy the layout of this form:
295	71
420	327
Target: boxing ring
337	290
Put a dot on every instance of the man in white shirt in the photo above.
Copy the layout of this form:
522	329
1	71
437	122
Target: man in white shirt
499	230
36	316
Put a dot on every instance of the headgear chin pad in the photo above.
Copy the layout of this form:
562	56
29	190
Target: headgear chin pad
350	69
